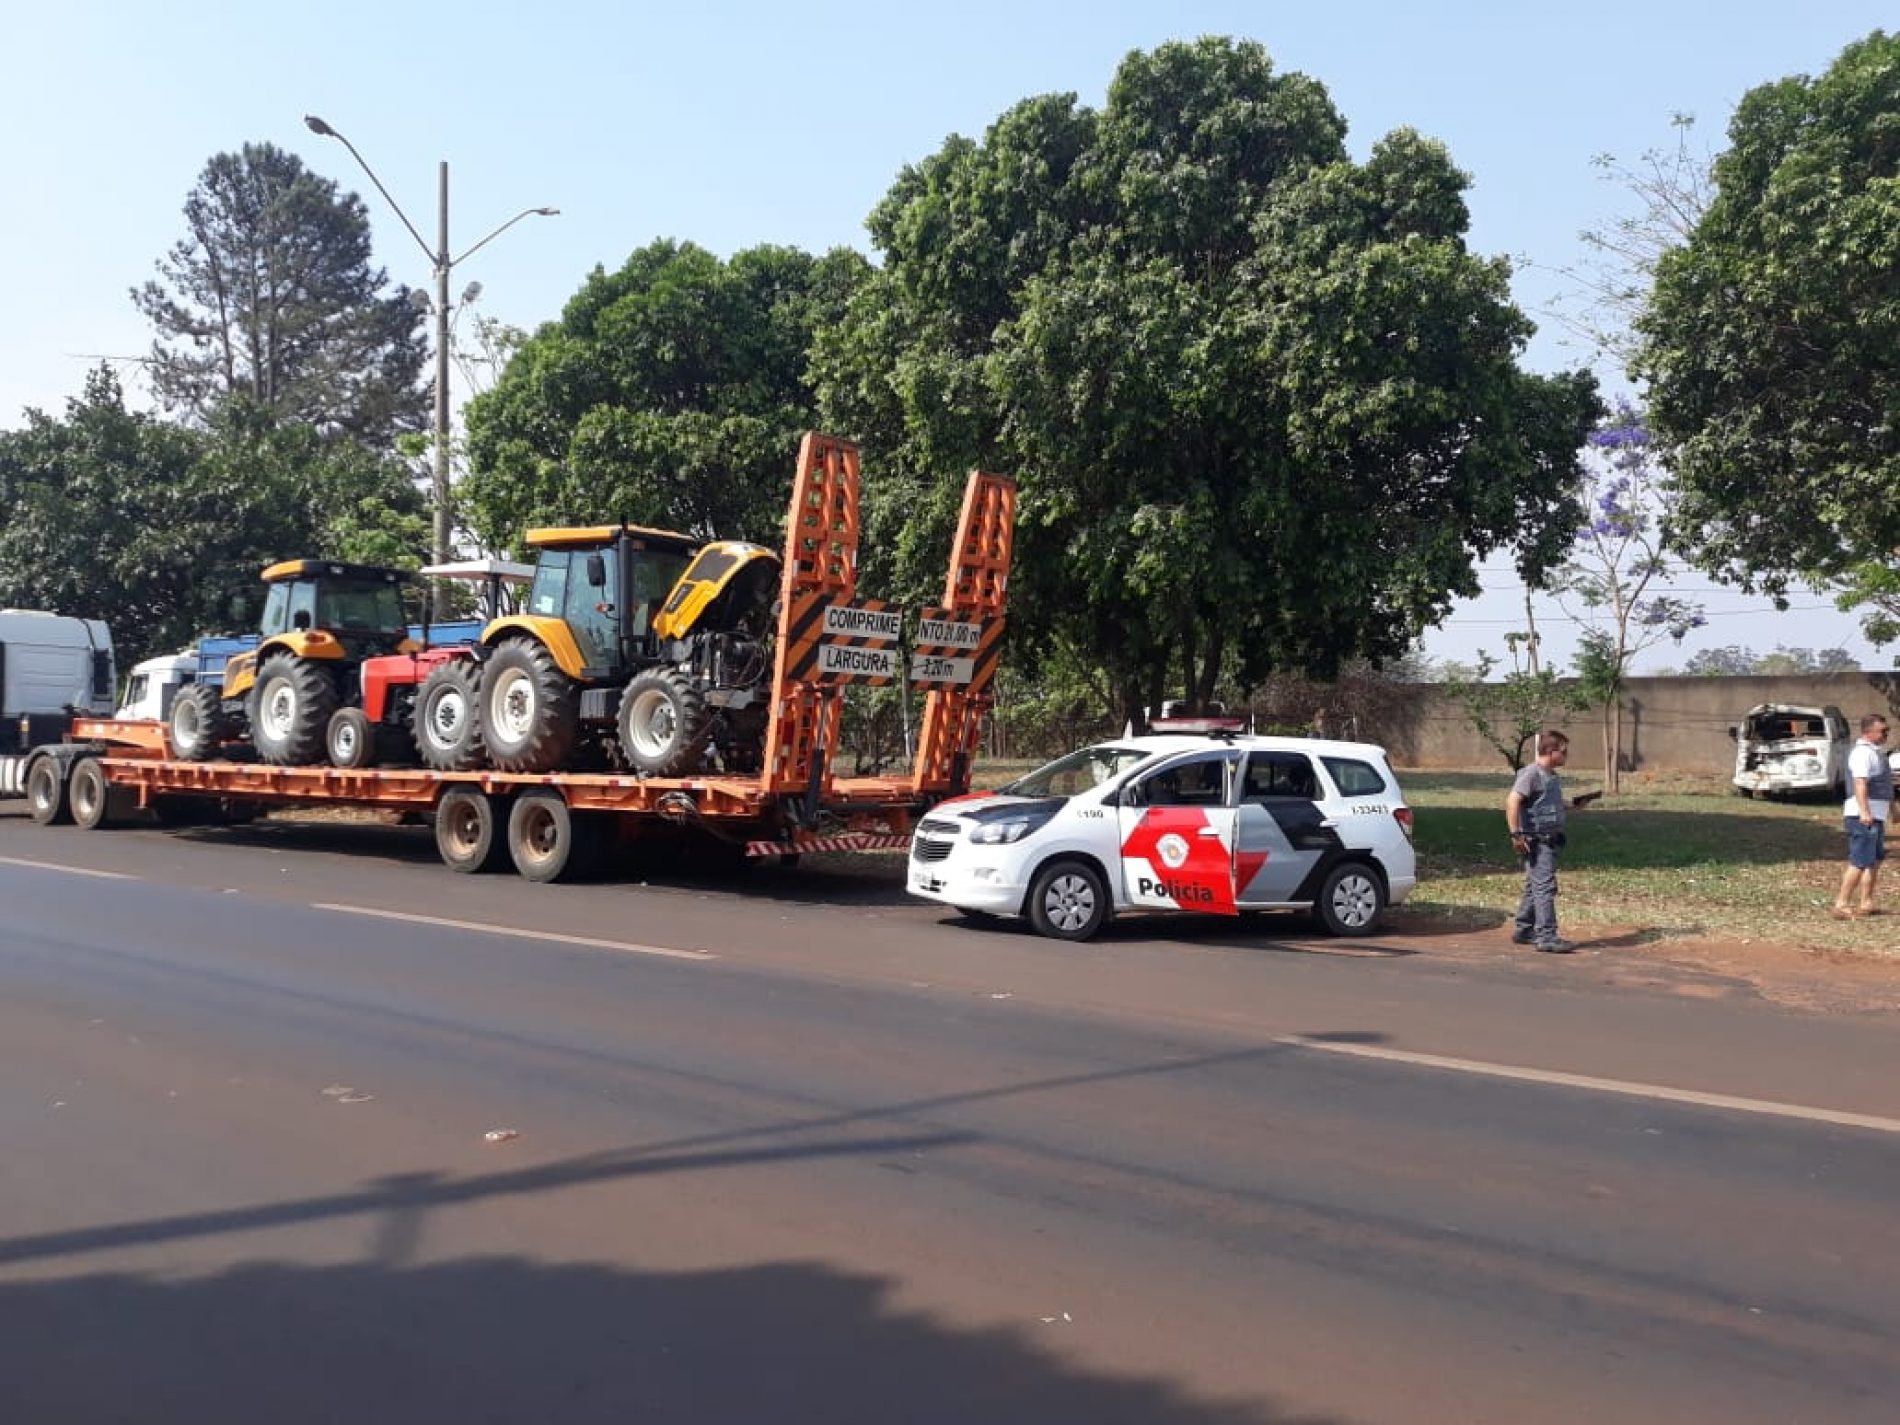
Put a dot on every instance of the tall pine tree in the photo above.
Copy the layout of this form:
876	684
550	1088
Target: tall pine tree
271	296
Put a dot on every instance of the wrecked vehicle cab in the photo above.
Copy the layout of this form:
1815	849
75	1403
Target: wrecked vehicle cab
1786	750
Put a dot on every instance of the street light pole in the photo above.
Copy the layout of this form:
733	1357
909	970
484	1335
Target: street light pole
443	264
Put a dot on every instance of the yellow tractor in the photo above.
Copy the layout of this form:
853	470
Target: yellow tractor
636	647
299	692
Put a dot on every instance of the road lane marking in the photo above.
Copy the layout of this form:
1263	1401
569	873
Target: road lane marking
69	870
1626	1088
625	947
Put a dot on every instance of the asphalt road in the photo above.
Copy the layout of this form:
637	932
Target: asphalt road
788	1146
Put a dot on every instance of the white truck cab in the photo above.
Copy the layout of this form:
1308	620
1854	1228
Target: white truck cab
155	683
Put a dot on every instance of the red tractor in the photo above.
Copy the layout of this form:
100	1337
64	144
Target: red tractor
430	695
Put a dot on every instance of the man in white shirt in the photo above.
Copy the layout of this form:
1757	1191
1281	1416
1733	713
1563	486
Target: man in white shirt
1870	784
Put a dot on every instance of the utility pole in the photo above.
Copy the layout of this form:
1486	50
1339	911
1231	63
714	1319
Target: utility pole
443	264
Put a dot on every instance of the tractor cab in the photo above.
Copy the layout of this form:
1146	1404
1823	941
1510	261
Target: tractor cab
322	609
298	693
610	610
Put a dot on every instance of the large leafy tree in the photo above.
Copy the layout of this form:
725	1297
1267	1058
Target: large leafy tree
271	296
1770	341
161	530
1263	402
672	392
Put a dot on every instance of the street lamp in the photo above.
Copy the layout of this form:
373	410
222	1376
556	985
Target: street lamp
443	264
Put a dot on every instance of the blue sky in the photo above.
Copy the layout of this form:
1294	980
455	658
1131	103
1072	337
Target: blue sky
730	124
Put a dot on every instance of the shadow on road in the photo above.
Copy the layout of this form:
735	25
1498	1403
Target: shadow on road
506	1339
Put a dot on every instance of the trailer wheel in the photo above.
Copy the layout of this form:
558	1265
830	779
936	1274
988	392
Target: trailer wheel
547	841
468	831
350	740
448	717
96	802
290	711
663	723
530	709
46	792
198	723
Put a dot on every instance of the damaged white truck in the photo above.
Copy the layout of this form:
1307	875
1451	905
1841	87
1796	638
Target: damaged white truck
1787	750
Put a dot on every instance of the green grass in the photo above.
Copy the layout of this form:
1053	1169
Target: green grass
1660	860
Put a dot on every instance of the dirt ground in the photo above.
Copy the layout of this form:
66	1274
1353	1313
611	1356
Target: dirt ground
1705	968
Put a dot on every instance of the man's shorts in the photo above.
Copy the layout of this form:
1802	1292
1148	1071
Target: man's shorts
1866	845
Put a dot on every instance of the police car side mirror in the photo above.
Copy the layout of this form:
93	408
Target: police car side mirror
1733	733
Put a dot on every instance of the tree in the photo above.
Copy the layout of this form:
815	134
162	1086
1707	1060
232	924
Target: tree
672	393
1509	713
271	296
1729	662
162	530
1263	404
1610	286
1768	342
1619	555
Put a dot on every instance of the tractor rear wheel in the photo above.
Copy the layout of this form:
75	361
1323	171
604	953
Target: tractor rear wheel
530	709
664	724
290	710
198	723
448	717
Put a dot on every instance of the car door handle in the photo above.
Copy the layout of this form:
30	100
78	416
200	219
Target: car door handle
1208	831
1328	822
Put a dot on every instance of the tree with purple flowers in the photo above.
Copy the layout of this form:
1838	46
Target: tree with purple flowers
1618	560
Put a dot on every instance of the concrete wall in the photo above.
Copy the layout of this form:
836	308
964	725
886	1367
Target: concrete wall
1670	725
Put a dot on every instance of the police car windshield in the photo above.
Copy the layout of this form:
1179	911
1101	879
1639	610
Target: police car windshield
1077	772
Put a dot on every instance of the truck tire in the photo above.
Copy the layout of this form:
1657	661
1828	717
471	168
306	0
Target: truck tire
1351	899
549	842
46	799
290	711
96	802
530	709
198	723
1068	900
663	723
350	739
448	717
469	833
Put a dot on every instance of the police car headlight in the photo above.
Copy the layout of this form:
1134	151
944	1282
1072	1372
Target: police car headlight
995	833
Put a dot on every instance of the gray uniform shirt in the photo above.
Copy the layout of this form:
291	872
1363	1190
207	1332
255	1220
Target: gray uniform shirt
1543	794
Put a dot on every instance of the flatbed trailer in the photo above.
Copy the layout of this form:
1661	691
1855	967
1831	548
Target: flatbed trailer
554	825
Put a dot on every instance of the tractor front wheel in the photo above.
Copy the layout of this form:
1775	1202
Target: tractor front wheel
663	723
290	711
530	709
350	739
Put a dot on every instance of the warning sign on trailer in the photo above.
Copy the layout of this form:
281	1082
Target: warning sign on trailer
934	668
847	663
869	623
948	633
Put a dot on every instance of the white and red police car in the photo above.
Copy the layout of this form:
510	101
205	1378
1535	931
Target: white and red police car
1217	824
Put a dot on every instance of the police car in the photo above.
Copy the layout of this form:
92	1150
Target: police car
1217	824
